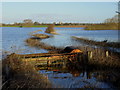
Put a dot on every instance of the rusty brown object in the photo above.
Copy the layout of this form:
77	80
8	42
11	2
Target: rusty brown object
76	51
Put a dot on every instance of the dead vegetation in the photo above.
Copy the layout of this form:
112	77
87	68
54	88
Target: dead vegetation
18	74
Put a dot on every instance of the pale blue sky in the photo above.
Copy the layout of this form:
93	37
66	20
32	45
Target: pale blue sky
78	12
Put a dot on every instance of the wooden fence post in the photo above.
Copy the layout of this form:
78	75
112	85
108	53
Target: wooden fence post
107	53
90	55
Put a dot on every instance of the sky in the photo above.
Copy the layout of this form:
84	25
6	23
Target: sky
49	12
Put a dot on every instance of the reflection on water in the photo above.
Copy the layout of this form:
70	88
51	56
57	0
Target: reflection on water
78	78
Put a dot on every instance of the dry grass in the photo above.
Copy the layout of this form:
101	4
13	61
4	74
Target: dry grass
18	74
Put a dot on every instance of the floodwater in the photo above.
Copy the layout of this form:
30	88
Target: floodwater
97	35
79	79
13	38
13	41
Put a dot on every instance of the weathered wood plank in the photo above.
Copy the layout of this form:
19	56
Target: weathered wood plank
46	58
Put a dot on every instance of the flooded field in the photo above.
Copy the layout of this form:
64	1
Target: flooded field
13	37
13	40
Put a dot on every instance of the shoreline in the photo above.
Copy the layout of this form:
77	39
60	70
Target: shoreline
66	27
98	43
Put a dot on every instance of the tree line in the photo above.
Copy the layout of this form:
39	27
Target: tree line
30	23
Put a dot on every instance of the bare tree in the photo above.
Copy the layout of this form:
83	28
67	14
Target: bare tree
27	22
112	20
36	23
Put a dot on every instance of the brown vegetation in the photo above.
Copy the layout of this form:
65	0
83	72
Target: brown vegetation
100	58
50	29
18	74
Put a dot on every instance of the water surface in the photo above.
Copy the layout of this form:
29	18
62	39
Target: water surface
13	38
79	79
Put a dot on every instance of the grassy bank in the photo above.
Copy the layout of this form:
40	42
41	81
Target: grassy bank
102	27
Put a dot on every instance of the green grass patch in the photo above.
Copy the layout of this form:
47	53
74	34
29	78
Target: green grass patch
26	26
